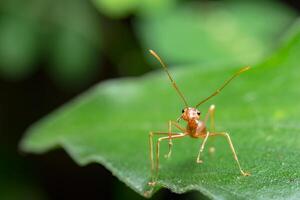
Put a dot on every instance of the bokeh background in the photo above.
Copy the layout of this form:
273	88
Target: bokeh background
53	50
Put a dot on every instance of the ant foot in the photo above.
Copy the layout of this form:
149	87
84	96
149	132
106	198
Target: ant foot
246	173
212	150
199	161
152	183
148	193
167	156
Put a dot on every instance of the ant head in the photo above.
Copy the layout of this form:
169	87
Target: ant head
189	114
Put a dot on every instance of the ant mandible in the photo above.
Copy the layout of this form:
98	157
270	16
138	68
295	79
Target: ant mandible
195	128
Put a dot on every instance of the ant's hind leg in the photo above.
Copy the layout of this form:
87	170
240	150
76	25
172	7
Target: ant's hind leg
211	116
226	135
202	148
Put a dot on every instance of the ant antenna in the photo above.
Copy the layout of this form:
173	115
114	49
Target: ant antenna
169	75
224	85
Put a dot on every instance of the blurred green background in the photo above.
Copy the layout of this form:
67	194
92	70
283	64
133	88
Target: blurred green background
51	51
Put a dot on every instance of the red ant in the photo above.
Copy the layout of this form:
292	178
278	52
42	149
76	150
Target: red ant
195	128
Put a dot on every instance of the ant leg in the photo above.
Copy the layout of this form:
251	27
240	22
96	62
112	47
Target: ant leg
158	145
211	116
211	112
202	148
224	134
170	140
151	144
173	135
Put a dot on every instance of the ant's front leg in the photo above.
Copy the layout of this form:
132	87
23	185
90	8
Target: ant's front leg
170	138
151	134
173	135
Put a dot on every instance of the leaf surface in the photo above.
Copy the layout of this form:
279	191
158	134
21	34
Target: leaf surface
235	32
110	123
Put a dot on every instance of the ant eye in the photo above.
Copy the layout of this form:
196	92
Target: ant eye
198	113
182	111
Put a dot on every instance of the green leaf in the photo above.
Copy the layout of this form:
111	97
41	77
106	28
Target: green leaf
116	8
239	32
110	124
18	47
75	43
73	60
123	8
